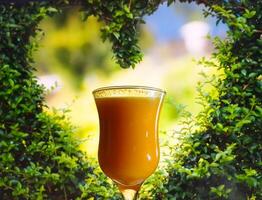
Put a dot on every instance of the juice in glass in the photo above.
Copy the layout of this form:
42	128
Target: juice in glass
128	144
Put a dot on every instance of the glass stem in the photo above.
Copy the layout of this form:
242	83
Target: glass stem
129	194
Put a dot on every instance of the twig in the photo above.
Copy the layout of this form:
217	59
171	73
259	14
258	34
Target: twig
129	5
65	193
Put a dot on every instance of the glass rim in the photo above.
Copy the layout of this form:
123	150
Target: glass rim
135	87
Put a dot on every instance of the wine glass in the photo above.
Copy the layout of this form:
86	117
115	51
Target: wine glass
128	143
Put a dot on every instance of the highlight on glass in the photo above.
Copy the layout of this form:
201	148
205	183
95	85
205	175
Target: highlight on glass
128	144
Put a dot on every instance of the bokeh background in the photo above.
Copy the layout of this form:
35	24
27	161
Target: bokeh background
72	61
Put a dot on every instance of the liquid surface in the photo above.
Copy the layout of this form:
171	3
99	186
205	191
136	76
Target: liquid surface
128	145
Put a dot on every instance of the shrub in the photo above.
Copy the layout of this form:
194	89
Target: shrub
39	159
222	159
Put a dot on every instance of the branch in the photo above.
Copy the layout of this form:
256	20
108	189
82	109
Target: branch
53	2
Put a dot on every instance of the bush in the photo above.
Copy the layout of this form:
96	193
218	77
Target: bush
39	158
221	160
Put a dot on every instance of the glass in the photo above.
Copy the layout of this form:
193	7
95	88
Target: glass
128	143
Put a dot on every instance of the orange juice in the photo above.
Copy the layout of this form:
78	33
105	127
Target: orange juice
128	145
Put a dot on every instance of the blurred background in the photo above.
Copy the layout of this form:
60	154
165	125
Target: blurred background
72	61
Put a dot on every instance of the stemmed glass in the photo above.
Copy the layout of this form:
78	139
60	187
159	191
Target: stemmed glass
128	143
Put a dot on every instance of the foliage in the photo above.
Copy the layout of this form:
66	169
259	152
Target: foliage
39	159
220	160
74	48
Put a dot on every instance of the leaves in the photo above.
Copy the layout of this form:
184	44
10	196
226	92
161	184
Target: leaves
220	151
39	157
224	153
220	191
